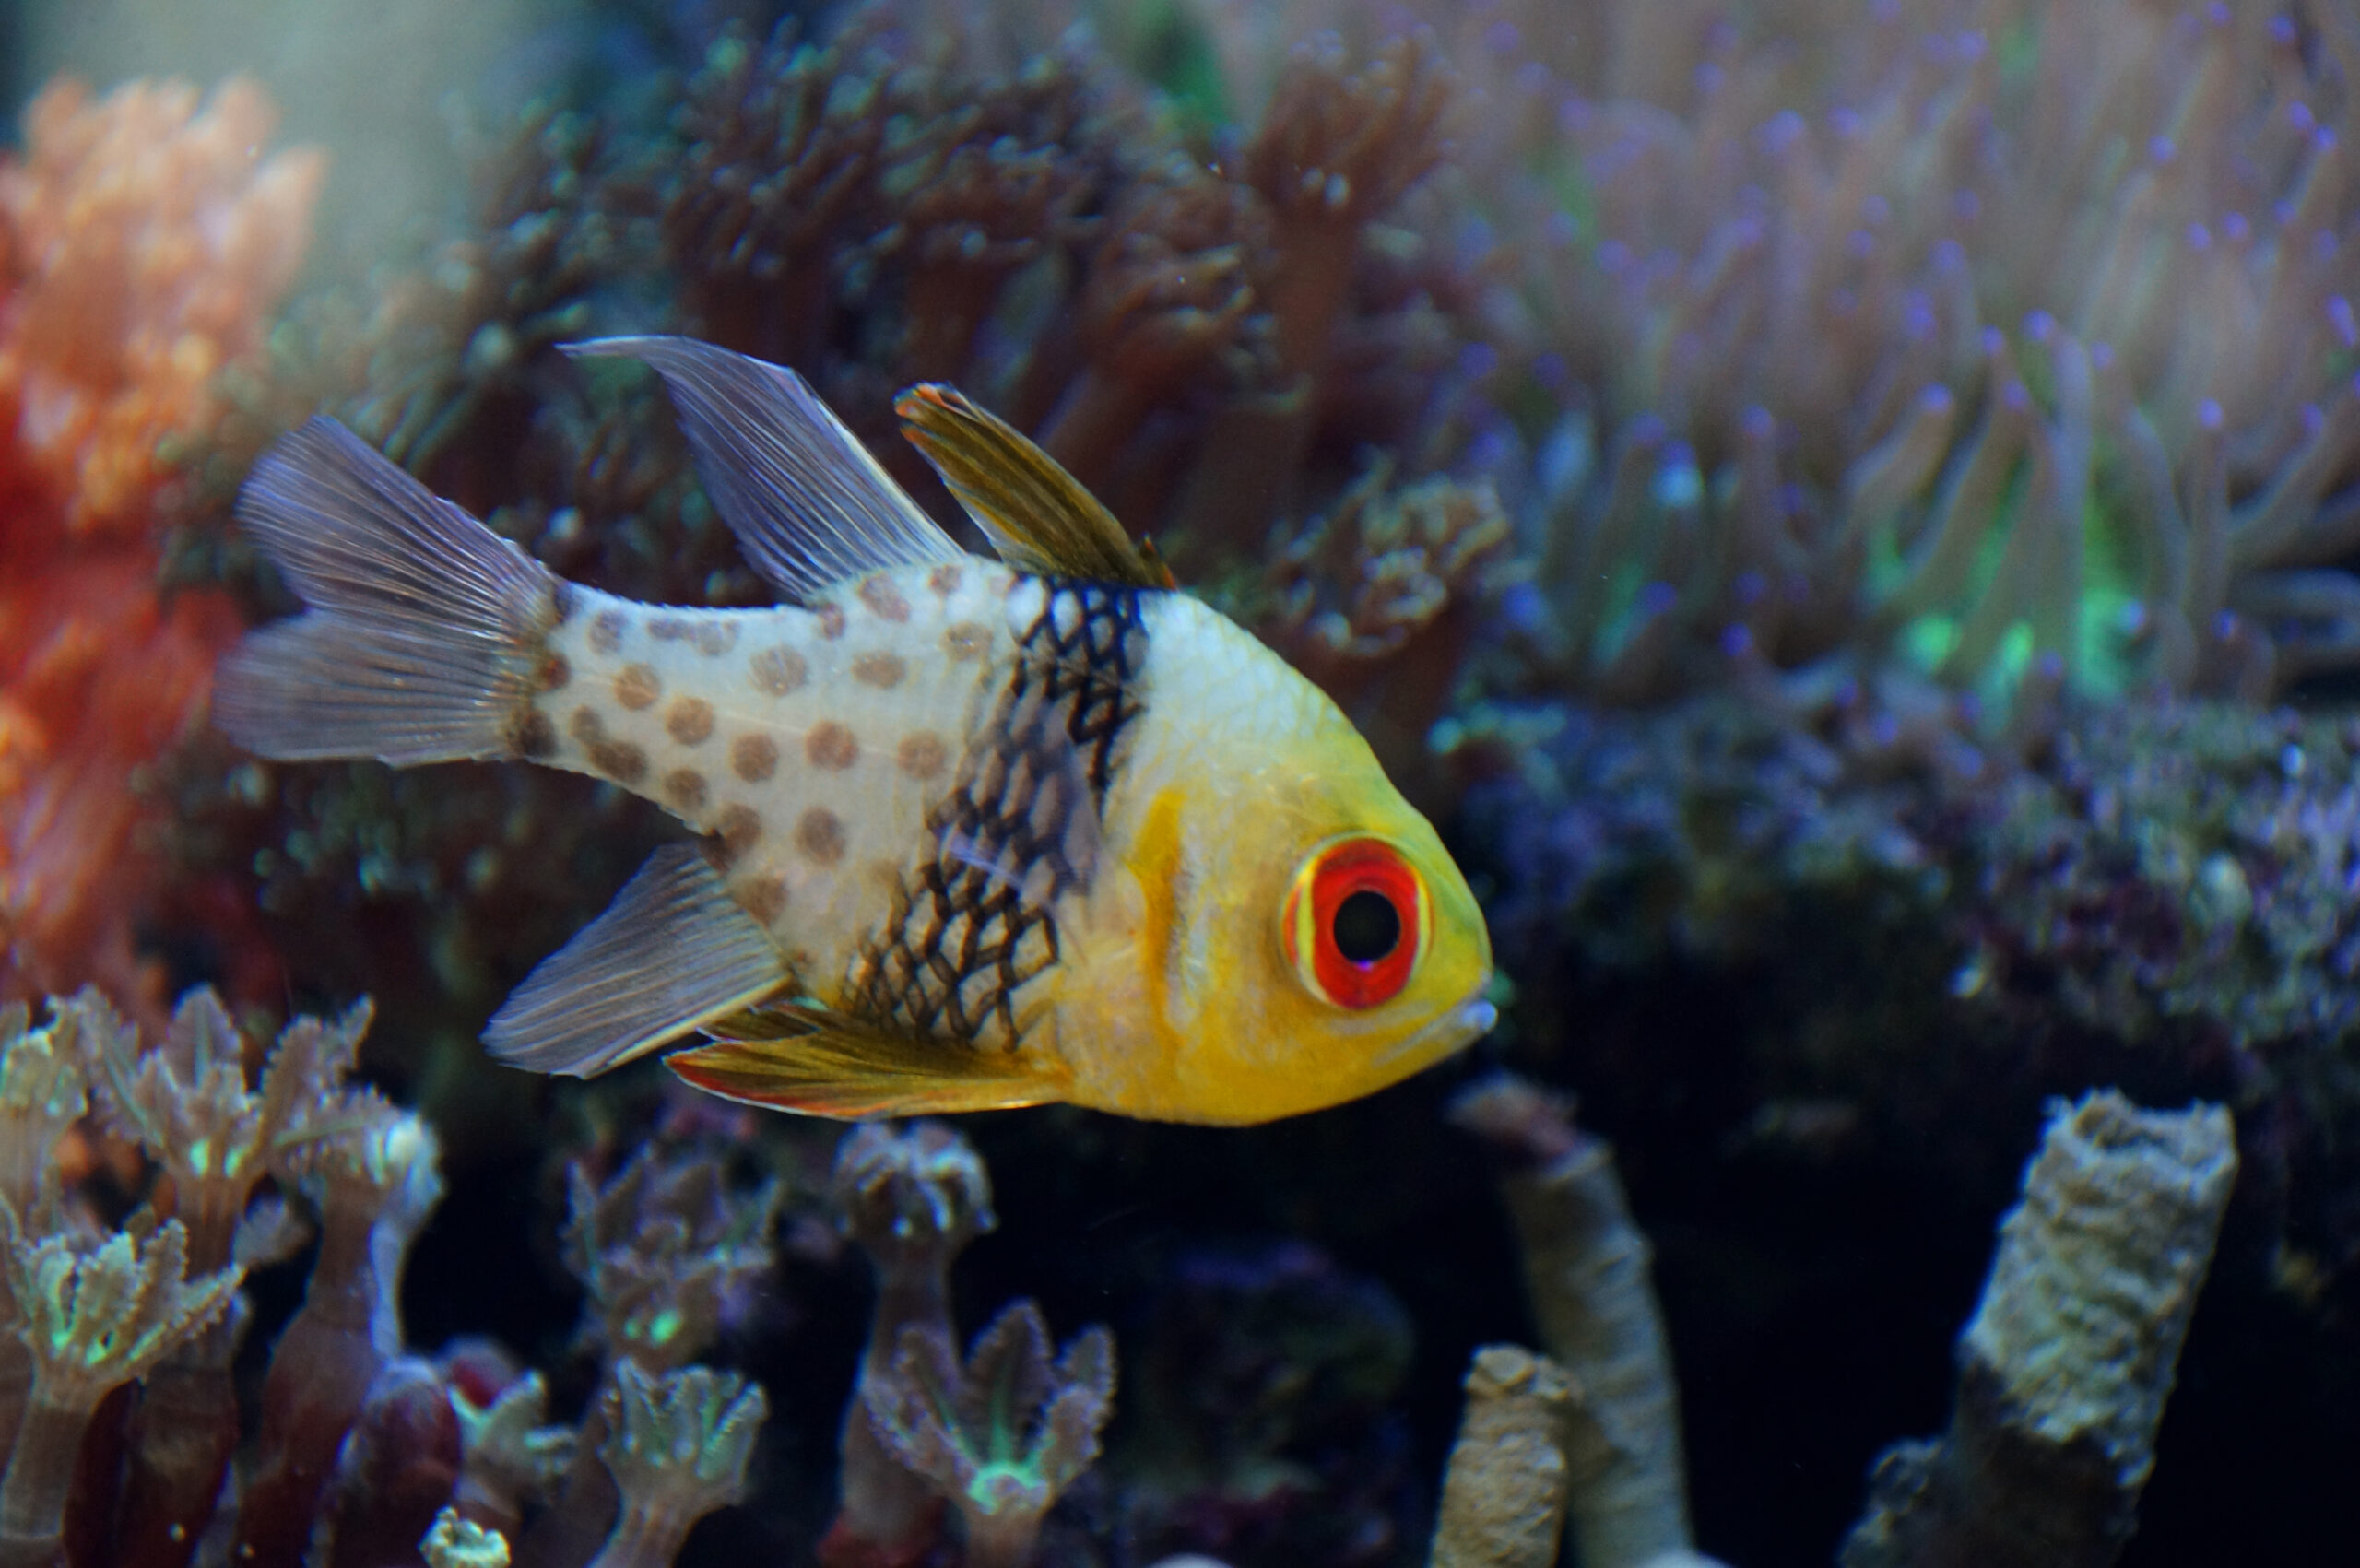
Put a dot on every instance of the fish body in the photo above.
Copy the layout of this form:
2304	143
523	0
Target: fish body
974	832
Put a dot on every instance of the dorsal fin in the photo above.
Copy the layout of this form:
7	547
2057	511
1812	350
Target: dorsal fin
809	505
1038	516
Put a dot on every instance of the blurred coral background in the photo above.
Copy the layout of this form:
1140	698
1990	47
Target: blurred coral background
1847	514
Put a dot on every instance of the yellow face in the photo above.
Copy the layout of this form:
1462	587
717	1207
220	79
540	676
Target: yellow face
1355	954
1304	939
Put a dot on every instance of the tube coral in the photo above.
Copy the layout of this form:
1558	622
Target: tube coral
2071	1352
1585	1270
1504	1495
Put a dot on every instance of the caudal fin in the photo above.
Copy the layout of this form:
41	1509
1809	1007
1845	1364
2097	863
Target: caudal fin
420	638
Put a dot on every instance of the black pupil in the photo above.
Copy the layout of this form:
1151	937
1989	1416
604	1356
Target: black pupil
1367	927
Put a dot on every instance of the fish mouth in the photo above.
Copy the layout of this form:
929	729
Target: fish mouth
1442	1035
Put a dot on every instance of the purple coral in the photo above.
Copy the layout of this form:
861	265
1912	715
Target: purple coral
374	1171
667	1251
187	1101
913	1199
396	1470
511	1456
676	1447
94	1317
1004	1434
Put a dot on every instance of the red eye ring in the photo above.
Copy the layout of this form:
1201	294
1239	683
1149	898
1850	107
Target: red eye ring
1355	922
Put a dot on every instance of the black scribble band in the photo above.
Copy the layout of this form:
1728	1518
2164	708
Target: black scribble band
1019	829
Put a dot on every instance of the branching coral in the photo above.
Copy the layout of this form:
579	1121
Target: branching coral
149	241
42	1094
43	1090
677	1445
361	1443
186	1100
214	1141
1004	1434
666	1250
187	1103
144	242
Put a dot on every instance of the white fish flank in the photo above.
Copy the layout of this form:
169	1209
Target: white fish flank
812	743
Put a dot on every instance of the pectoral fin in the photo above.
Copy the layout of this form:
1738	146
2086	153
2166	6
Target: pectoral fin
802	1057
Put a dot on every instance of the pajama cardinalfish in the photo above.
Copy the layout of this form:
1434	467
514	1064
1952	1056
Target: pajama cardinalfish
976	833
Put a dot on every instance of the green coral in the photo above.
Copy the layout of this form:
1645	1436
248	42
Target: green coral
43	1089
98	1317
676	1447
187	1103
663	1249
1005	1433
456	1543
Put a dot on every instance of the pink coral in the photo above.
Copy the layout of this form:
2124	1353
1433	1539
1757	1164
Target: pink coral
144	242
147	242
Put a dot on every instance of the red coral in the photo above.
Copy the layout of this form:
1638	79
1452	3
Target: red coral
143	242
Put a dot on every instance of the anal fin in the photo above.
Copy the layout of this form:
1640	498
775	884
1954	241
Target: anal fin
802	1057
672	952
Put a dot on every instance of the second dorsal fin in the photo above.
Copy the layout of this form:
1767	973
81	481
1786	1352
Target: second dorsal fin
1038	516
809	506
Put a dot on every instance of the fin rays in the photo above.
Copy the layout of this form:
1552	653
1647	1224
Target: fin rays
809	506
801	1057
417	641
673	952
1038	516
